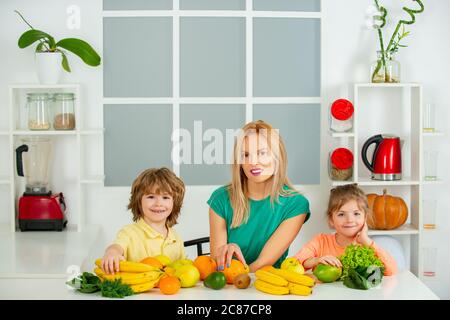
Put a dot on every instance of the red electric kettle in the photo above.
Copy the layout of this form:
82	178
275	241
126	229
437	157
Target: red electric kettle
386	159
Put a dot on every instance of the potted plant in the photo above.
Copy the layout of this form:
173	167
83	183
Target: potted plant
50	55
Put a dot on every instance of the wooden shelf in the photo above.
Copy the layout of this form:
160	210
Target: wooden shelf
404	182
431	182
433	134
342	134
92	131
387	85
406	229
43	86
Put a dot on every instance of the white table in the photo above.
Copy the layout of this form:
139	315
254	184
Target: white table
401	286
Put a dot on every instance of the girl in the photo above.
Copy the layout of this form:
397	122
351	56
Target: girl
259	214
156	199
347	213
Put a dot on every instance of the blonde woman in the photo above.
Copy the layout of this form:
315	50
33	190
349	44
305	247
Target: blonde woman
258	215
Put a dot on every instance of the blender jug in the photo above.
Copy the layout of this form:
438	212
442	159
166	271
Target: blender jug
37	164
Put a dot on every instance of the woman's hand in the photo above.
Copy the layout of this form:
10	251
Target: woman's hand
330	260
225	253
362	237
111	260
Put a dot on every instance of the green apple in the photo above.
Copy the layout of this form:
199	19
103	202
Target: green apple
327	273
292	264
179	263
188	275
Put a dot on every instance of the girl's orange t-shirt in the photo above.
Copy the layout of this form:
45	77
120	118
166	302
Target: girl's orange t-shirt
326	244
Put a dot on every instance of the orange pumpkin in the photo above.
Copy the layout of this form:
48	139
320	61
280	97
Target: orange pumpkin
388	212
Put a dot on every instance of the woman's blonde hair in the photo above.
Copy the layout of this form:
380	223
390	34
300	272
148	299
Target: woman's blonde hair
238	187
157	181
342	194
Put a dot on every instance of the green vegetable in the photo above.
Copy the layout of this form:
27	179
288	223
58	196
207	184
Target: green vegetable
359	256
116	289
90	283
363	278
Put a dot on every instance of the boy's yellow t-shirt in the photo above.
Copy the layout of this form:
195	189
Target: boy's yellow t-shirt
139	241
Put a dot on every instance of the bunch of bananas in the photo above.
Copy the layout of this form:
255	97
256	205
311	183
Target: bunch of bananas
139	276
276	281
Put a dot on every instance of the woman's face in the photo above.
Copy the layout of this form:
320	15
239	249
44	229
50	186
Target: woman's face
258	161
349	219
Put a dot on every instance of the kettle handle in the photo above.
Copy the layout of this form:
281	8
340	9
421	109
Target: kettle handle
375	139
19	163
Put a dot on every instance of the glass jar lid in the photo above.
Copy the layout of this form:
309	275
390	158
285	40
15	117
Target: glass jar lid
38	96
342	158
64	96
342	109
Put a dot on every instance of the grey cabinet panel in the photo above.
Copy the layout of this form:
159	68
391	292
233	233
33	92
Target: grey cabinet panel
137	57
212	4
299	127
137	4
212	57
213	166
286	57
287	5
136	137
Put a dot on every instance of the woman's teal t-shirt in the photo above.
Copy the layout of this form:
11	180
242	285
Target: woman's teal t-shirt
263	220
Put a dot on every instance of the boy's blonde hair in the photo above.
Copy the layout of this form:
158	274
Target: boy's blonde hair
342	194
238	187
157	181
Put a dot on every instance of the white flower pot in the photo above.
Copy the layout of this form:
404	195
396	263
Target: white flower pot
48	67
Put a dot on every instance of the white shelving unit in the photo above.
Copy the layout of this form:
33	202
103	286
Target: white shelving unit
392	109
68	153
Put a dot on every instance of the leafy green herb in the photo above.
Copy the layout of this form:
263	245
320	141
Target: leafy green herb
116	289
359	256
90	283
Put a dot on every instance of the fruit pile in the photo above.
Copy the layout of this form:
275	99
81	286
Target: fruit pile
139	276
283	281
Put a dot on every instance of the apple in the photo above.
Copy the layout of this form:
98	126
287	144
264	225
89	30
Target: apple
188	275
165	260
179	263
327	273
292	264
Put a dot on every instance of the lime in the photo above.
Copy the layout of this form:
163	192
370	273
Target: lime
215	280
327	273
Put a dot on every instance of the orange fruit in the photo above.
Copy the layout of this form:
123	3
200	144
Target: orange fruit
169	271
152	262
236	267
206	265
169	285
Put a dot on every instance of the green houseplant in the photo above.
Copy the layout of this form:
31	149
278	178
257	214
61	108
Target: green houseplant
51	53
380	72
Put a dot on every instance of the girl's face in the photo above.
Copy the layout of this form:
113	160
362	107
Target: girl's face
156	207
257	159
349	219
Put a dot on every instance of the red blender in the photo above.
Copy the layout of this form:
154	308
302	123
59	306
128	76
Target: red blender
39	209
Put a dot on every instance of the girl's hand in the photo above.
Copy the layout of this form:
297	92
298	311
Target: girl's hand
362	237
111	261
330	260
225	253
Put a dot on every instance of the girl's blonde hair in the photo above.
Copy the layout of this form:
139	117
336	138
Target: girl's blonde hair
157	181
342	194
238	187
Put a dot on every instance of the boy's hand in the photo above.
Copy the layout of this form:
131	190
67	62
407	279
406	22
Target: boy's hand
111	262
330	260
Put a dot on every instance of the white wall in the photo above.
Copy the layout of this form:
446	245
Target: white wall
348	49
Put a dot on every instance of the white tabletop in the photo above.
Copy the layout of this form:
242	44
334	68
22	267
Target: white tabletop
399	287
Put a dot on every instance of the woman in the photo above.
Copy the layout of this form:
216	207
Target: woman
259	214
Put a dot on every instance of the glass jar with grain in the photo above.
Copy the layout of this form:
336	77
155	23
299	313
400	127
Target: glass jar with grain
64	111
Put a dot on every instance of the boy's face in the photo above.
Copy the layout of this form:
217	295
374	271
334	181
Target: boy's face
257	159
349	219
156	207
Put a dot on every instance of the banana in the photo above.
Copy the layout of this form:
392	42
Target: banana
143	287
270	288
293	276
129	278
129	266
271	278
299	289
